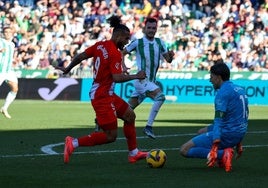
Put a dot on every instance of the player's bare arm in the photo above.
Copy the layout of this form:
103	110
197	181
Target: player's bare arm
127	77
76	60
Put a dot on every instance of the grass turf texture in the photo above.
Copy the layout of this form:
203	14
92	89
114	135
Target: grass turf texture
35	124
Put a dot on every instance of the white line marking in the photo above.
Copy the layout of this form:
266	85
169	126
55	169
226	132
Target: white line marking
107	151
48	149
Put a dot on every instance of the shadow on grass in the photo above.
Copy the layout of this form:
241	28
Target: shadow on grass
111	169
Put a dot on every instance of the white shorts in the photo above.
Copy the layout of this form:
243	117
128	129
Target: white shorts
9	76
143	86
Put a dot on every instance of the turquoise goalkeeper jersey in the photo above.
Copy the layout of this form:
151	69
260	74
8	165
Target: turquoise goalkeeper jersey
232	100
6	55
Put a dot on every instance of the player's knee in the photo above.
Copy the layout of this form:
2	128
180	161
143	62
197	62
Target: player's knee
15	90
13	86
129	115
202	130
160	97
136	101
111	135
133	103
183	151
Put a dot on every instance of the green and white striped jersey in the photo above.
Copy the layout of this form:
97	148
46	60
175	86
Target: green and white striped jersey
148	54
6	55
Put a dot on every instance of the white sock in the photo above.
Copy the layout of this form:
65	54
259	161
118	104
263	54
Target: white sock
75	143
154	111
9	99
133	152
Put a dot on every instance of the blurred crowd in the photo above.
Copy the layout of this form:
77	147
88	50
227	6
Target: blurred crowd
201	32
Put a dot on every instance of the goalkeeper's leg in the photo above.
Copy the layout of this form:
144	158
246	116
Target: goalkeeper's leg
199	147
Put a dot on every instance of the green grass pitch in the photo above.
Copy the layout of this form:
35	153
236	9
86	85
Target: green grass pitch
31	147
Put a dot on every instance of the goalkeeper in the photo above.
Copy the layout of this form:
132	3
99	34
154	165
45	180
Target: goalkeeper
216	142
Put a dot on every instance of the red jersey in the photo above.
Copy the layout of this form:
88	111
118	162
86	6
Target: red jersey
107	60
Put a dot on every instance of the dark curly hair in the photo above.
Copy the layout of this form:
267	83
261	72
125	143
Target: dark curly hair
115	22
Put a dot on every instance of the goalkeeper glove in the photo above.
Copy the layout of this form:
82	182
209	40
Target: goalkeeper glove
213	154
239	150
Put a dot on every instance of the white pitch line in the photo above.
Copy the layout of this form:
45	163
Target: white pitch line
48	149
109	151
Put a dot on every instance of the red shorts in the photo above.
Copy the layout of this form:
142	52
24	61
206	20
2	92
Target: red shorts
108	110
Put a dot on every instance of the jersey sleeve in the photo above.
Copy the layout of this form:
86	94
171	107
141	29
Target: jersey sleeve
132	45
165	49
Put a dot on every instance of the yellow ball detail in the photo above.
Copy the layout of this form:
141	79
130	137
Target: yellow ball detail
156	158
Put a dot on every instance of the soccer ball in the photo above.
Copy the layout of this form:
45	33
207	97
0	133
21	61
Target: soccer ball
156	158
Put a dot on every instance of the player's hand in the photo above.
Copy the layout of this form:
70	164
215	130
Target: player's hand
169	56
213	154
239	150
126	70
63	69
141	75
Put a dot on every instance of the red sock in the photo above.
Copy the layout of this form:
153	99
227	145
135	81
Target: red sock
130	134
93	139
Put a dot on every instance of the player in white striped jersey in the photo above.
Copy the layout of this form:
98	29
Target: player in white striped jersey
6	73
149	51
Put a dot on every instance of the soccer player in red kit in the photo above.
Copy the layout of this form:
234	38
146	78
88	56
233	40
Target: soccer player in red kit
107	105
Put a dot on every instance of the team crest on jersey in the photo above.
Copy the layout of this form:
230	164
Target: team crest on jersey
117	66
